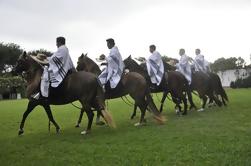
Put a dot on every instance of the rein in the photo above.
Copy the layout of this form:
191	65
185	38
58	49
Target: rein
128	102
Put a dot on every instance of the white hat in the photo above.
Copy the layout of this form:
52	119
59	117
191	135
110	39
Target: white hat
40	58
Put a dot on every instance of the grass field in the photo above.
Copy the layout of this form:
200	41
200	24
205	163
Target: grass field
218	136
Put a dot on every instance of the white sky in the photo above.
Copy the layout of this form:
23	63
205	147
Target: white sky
220	28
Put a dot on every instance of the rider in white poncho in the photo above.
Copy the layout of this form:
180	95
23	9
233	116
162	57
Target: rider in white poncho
155	67
59	65
200	64
115	66
183	66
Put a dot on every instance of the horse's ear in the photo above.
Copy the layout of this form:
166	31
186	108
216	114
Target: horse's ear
86	54
82	55
24	55
130	56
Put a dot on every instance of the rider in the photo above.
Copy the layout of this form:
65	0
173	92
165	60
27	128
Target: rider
155	67
183	66
115	66
200	63
60	64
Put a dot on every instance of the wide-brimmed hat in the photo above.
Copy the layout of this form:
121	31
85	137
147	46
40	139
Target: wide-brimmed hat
40	58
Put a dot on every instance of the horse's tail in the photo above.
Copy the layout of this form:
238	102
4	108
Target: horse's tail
103	109
221	89
152	107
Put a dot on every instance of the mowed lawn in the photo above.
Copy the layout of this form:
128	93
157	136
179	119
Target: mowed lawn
218	136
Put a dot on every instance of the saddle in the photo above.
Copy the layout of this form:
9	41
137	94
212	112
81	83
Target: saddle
34	87
114	92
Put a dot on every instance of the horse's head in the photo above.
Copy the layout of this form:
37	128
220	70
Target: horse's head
22	64
130	63
87	64
81	64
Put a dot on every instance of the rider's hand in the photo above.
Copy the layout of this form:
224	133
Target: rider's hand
102	57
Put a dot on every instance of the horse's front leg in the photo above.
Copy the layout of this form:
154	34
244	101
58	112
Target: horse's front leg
31	105
50	116
163	100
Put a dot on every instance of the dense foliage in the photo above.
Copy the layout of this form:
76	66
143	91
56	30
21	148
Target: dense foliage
223	64
241	83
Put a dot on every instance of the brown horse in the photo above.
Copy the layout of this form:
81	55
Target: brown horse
174	83
131	83
217	87
203	84
81	86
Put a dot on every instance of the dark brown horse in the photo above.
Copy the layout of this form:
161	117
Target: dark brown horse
131	83
217	87
202	83
174	83
81	86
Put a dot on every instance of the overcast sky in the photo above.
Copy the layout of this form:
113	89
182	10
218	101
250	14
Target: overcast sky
220	28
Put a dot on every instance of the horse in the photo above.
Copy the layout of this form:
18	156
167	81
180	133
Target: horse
131	83
217	87
175	84
203	84
81	86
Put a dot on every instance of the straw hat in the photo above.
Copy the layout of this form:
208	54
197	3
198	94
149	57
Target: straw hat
40	58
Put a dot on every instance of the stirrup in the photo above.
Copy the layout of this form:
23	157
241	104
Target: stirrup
36	96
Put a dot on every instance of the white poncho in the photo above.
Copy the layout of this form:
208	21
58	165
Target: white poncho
155	67
184	67
59	64
114	69
199	63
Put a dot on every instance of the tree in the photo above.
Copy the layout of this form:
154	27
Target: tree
9	54
41	51
240	63
222	64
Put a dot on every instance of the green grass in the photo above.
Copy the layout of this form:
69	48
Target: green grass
218	136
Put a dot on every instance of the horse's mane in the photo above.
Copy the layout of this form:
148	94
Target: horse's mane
129	62
168	67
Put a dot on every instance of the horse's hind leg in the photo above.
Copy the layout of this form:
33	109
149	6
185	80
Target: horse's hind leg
98	121
223	101
50	116
204	99
134	111
143	112
185	104
80	118
90	116
190	99
31	105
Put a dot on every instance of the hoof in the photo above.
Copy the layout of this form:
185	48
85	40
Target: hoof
58	130
132	117
85	132
137	124
100	123
184	113
192	108
200	110
20	132
77	126
177	111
